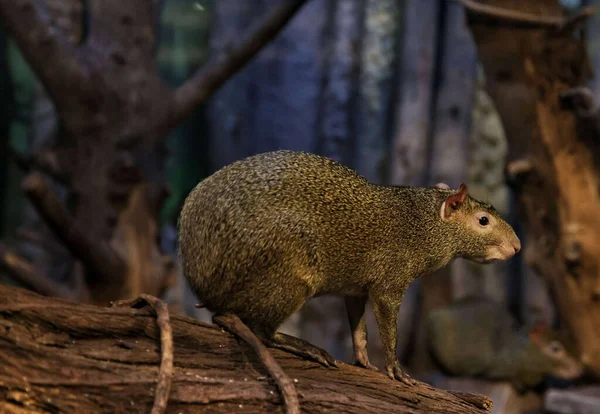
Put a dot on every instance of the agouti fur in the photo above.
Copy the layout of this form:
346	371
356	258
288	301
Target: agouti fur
476	337
261	236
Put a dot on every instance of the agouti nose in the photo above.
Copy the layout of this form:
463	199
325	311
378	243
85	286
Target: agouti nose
517	245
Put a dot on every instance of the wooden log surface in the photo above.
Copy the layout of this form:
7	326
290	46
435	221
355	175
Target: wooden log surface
62	357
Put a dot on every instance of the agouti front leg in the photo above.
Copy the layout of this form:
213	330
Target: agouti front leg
355	307
386	313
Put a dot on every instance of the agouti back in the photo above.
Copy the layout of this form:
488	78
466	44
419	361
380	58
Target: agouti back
261	236
479	338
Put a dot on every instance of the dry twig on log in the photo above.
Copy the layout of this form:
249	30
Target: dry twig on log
286	387
165	373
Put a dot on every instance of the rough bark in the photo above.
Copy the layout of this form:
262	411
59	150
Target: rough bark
114	112
553	155
57	356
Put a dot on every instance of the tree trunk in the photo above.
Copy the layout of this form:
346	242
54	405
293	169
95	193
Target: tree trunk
114	113
62	357
531	68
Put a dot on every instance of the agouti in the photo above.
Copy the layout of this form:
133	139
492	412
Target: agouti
476	337
263	235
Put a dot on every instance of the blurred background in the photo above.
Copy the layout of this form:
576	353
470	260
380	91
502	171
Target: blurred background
411	92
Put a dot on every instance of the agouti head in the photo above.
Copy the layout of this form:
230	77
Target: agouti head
557	352
481	234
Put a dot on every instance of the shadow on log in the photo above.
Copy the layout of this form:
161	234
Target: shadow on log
62	357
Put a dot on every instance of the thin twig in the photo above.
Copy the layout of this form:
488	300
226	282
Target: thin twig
22	271
524	17
214	74
286	387
165	373
96	255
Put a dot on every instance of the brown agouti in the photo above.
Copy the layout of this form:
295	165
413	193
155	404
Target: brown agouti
476	337
263	235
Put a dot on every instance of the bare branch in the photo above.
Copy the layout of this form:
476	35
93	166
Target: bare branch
36	238
97	256
21	270
165	373
523	17
47	161
54	60
214	74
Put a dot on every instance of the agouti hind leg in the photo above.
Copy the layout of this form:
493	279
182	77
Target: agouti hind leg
301	348
355	308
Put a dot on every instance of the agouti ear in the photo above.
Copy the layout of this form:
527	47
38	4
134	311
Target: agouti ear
454	201
442	186
536	333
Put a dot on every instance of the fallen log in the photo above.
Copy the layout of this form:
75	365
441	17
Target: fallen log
61	357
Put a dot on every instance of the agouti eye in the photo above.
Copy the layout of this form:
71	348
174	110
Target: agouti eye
484	221
555	347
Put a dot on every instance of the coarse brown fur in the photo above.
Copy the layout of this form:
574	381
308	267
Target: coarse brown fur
263	235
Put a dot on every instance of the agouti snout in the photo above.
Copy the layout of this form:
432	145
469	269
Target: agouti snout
261	236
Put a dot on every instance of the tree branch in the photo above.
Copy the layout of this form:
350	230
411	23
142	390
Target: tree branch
523	17
54	60
214	74
47	161
97	256
22	271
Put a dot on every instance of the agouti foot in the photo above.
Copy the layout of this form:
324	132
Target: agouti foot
395	372
367	365
301	348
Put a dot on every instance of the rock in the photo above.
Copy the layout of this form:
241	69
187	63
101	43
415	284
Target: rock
582	400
